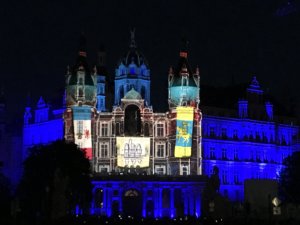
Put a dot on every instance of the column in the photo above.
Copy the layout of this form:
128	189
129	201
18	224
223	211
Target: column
198	204
144	197
172	209
186	202
192	202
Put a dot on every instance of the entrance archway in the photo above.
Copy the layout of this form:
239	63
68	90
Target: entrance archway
132	203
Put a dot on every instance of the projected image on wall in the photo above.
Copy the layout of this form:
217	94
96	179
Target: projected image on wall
133	151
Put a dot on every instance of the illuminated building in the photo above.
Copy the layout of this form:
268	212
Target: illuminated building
247	143
134	139
130	138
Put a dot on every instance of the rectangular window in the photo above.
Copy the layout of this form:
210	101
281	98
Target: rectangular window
184	170
224	177
160	169
212	153
212	132
160	130
236	177
104	150
104	129
235	154
235	134
103	168
258	156
224	133
224	153
160	151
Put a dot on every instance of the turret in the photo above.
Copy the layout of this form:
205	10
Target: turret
80	81
184	85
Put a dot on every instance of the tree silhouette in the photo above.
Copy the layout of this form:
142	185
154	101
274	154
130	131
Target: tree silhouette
5	198
56	180
289	180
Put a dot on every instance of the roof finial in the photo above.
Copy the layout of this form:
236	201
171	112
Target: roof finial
132	38
82	45
184	48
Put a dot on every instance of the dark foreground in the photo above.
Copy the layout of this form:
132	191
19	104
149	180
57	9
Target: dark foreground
164	221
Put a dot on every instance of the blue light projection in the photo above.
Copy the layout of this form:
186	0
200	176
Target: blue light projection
146	198
244	149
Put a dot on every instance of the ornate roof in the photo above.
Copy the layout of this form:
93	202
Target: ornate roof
133	55
133	94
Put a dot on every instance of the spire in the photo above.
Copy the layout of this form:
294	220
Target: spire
28	100
82	45
101	56
184	48
132	39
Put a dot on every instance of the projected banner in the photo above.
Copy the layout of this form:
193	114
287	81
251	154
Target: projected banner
184	131
133	151
82	128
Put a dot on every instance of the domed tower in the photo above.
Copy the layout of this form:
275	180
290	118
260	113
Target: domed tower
80	81
132	72
184	85
80	101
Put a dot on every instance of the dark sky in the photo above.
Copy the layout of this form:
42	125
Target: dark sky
229	40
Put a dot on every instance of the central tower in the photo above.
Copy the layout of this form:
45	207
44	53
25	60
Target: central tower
132	73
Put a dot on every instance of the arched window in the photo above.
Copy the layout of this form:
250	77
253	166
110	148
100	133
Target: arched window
132	120
117	128
146	130
99	198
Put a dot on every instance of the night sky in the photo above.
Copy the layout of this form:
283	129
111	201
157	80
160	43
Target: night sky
230	41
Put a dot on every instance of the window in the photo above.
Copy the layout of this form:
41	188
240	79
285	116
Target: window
212	153
235	154
104	129
80	92
80	82
160	130
257	136
99	198
103	150
117	128
184	170
212	132
258	156
235	134
184	81
224	133
103	168
160	151
224	153
236	177
224	176
132	70
160	169
146	130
